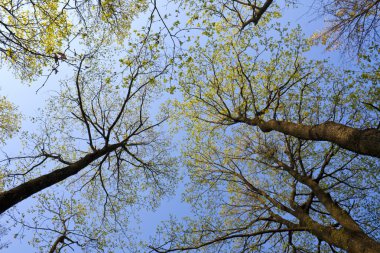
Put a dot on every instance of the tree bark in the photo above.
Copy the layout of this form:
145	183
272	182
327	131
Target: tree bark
350	237
59	240
15	195
364	142
352	242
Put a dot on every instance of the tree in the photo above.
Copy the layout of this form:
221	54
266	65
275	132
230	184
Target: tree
362	140
247	200
98	142
251	187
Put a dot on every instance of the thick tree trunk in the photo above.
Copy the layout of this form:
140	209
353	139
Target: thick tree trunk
364	142
15	195
339	214
350	237
59	240
352	242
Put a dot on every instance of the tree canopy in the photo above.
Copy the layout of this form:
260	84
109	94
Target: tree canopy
265	186
279	146
38	34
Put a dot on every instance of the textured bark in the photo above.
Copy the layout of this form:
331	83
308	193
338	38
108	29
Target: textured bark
59	240
364	142
352	242
260	11
350	237
15	195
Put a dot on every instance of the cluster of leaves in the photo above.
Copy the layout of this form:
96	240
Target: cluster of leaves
36	34
9	119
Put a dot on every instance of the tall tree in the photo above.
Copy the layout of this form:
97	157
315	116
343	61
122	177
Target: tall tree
98	141
262	193
354	136
252	189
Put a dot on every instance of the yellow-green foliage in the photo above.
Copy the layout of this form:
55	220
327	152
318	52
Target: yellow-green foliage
9	119
34	32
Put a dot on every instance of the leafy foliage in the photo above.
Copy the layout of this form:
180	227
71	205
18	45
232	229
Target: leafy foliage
263	192
351	24
277	145
9	119
37	34
99	126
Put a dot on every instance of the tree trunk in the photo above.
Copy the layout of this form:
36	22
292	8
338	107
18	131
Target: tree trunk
15	195
364	142
350	237
352	242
